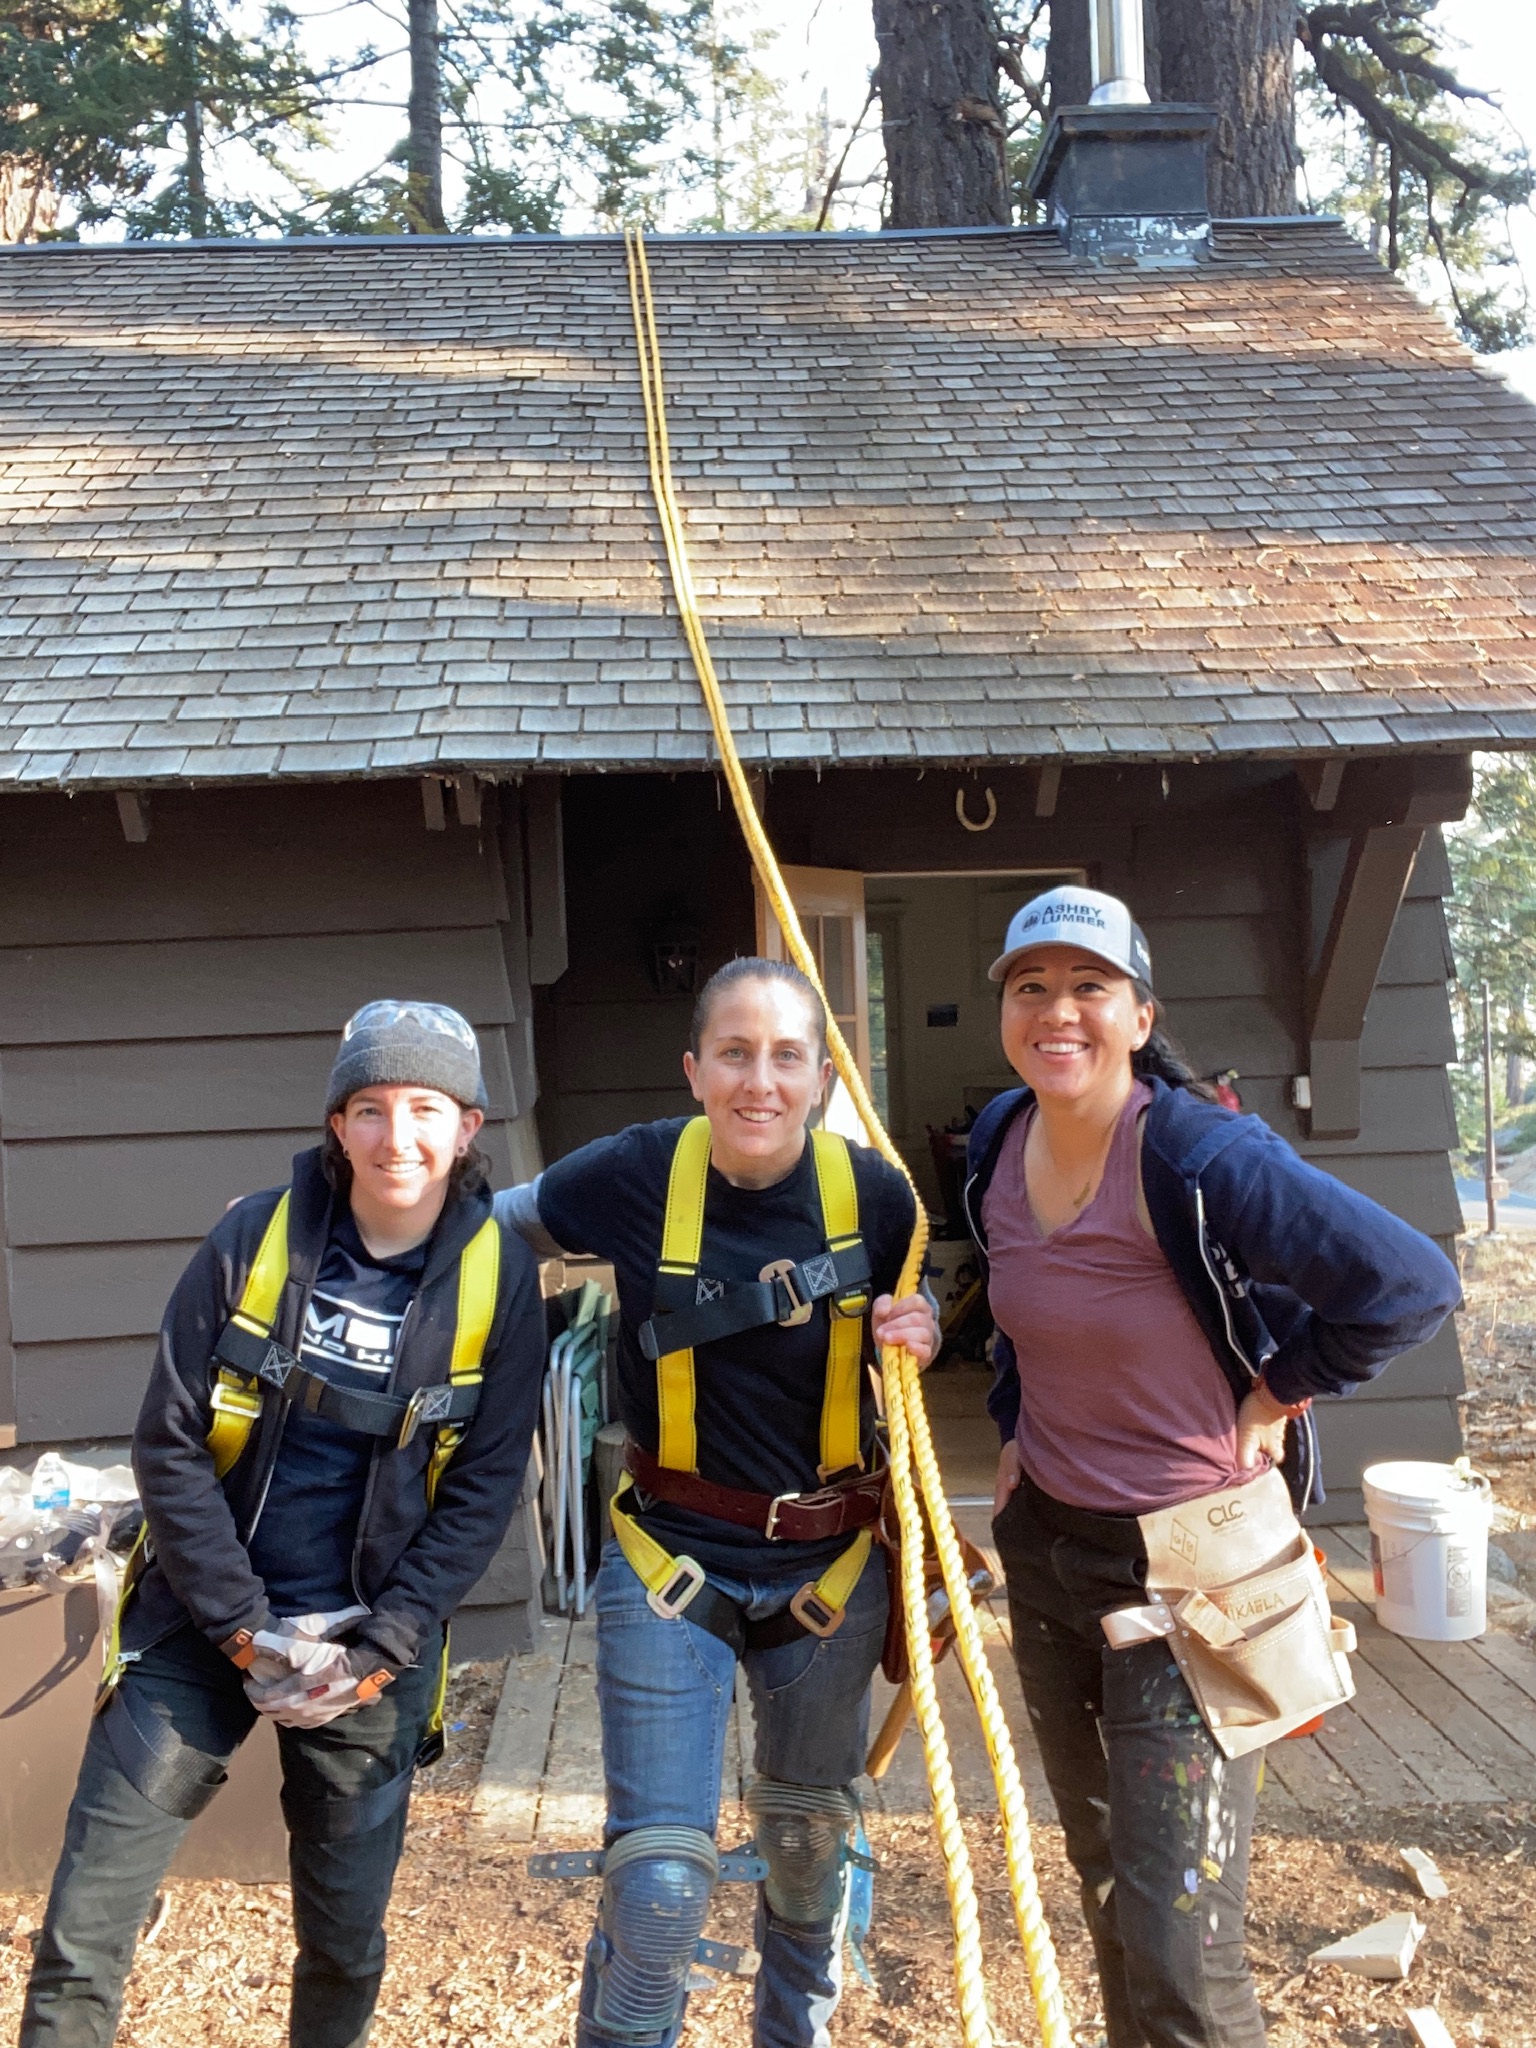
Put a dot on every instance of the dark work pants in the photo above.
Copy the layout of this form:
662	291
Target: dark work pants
1157	1821
152	1760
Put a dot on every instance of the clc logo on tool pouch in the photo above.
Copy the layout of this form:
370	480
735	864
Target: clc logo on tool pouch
1225	1512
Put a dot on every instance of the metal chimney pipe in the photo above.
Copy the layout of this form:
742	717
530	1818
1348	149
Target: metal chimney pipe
1119	54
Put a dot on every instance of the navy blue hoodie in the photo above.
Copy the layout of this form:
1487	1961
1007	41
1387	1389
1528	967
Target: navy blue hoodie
1286	1269
412	1564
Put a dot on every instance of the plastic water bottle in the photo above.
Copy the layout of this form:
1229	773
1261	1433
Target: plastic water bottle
50	1485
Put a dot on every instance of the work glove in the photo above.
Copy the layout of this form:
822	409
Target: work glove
289	1645
296	1654
337	1680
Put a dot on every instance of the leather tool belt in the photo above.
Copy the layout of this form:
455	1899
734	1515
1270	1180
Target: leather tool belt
712	1309
1236	1592
836	1510
391	1415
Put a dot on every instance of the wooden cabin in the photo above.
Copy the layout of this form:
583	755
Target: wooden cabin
337	658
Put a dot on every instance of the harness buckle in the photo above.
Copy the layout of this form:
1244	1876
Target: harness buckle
782	1273
813	1613
410	1421
670	1599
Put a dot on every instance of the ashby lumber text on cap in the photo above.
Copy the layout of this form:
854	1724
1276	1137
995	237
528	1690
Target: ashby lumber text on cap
1070	916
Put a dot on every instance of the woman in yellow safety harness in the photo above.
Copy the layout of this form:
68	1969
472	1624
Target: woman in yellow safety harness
752	1260
330	1446
1172	1286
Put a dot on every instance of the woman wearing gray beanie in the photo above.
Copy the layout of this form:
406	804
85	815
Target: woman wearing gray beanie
329	1450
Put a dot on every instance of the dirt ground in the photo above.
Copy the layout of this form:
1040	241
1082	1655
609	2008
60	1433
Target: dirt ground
480	1954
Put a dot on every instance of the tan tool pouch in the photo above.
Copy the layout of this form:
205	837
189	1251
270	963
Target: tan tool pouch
1235	1590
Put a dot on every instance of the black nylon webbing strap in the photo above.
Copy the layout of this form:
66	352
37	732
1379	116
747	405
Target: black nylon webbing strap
265	1360
724	1308
166	1771
343	1819
716	1611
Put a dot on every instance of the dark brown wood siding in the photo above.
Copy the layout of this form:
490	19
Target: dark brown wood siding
168	1015
1219	865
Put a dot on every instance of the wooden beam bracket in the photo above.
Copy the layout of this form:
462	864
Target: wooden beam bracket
133	816
1322	779
1376	872
544	880
467	798
1047	788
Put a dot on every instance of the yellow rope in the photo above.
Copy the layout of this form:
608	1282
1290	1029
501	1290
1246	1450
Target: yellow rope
911	1441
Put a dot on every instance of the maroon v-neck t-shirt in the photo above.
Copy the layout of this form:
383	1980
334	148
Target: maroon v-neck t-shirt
1124	1409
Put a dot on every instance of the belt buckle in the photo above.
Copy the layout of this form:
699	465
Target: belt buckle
771	1525
813	1613
410	1421
669	1604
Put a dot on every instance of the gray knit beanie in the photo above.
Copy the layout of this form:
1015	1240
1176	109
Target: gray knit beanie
392	1044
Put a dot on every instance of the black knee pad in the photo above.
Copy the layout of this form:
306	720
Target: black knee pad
802	1835
656	1890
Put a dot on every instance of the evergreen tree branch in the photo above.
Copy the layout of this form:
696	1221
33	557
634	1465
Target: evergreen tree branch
1370	25
1413	143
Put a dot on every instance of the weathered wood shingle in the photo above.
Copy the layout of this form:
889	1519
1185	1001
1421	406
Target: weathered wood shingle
370	508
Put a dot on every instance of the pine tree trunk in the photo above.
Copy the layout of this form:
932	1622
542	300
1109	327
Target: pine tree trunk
1237	56
192	126
424	146
29	203
944	137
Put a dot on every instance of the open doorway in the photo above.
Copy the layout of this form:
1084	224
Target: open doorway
934	1062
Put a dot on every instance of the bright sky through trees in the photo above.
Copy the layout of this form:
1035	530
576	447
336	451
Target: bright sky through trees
780	91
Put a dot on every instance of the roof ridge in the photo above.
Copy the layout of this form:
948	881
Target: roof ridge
832	238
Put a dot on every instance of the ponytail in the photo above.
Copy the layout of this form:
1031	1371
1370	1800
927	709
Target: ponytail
1162	1059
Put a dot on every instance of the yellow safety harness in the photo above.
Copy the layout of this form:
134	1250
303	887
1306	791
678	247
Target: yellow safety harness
673	1583
236	1397
914	1464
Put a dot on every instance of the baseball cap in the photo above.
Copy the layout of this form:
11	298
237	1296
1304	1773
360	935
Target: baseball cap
1070	916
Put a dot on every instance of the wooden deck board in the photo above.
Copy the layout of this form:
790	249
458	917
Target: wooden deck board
1358	1741
1509	1768
572	1802
1515	1661
506	1802
1305	1773
1481	1714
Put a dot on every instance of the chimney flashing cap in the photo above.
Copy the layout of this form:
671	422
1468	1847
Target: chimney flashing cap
1163	120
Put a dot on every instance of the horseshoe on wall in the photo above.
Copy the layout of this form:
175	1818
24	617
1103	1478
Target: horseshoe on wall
970	824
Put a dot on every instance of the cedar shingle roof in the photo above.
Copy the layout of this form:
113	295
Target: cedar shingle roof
317	509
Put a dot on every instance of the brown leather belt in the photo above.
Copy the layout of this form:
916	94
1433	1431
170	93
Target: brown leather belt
786	1517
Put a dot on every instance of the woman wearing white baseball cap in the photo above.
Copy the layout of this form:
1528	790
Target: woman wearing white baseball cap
1172	1285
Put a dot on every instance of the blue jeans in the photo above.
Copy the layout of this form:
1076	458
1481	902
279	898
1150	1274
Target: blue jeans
665	1690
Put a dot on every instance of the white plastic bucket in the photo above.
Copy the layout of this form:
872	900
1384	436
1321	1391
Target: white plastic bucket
1429	1549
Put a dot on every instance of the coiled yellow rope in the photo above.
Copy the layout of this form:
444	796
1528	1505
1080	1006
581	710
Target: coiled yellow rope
911	1441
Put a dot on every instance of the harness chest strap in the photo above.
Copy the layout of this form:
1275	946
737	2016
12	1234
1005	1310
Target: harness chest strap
249	1359
841	1273
236	1395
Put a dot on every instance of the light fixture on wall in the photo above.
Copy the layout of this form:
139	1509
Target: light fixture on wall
672	955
